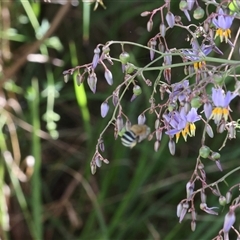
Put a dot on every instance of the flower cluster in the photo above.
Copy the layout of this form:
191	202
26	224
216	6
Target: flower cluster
201	98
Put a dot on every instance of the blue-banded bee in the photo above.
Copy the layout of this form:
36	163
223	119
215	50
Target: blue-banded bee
135	134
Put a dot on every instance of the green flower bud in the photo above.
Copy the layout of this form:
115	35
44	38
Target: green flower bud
129	68
137	90
183	5
204	151
216	156
196	102
222	201
218	79
124	57
198	13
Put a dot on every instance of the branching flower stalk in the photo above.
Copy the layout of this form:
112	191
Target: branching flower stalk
203	96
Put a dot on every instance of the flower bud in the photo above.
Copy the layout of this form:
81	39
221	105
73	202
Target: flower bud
93	168
183	5
231	132
207	107
124	57
149	25
79	79
129	68
189	189
104	109
159	134
179	209
216	156
229	220
115	99
152	44
161	47
203	197
209	131
137	90
157	124
172	146
228	197
108	76
170	19
102	146
128	125
66	77
162	29
193	225
221	127
204	151
96	57
218	79
119	123
145	13
222	201
141	119
92	82
198	13
98	161
156	146
196	102
105	161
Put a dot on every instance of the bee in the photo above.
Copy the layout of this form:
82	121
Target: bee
135	134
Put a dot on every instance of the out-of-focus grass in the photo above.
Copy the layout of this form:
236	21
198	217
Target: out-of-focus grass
135	196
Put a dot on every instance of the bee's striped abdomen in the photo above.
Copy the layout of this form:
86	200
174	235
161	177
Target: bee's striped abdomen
129	139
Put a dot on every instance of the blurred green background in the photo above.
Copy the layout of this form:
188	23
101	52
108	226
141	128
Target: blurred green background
133	197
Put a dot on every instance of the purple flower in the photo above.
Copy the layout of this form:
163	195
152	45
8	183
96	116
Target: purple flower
180	91
182	123
221	102
197	53
223	22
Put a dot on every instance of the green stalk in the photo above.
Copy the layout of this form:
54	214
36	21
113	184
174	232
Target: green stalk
36	201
